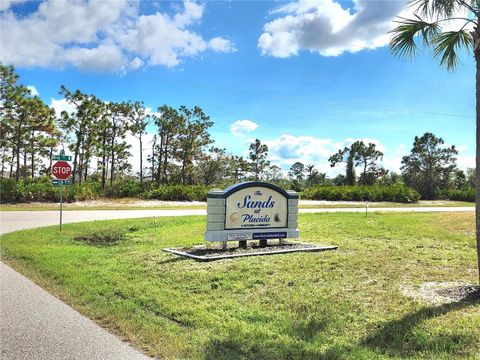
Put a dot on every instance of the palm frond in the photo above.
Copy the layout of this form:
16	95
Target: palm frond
403	42
435	8
447	45
472	5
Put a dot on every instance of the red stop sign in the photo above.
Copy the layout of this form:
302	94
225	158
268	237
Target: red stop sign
61	170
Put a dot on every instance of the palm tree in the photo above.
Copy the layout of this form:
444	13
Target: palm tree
428	24
309	169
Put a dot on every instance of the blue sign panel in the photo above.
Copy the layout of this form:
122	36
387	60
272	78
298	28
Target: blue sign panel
270	235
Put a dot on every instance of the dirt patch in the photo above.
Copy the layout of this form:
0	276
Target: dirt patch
105	237
438	293
463	292
252	247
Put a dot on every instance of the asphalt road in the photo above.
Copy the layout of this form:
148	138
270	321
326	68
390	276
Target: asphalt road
36	325
19	220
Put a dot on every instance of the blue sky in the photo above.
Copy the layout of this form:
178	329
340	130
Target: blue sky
304	77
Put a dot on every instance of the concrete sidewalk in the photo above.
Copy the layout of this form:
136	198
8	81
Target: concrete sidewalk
36	325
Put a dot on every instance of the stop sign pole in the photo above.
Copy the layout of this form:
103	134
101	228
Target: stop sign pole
61	171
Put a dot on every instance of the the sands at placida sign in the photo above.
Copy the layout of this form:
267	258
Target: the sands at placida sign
251	211
256	207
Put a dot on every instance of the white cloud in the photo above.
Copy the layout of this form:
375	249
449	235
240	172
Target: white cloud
44	37
393	161
60	105
287	149
241	127
103	36
149	111
33	90
134	159
103	58
158	40
193	12
462	147
350	141
219	44
6	4
465	159
136	63
464	162
325	27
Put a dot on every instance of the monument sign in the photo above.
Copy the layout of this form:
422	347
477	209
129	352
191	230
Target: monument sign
251	211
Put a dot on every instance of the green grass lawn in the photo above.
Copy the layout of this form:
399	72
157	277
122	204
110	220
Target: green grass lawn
344	304
426	203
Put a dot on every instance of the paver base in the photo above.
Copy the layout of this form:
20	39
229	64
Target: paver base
202	253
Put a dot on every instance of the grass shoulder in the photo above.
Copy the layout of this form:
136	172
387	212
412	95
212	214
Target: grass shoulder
344	304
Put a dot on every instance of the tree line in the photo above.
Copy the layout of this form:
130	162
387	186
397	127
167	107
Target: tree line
182	150
95	132
431	167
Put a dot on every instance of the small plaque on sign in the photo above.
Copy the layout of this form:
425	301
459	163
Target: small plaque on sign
270	235
56	182
239	236
62	157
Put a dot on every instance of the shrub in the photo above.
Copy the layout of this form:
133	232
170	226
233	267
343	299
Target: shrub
81	192
8	190
41	189
36	191
465	194
125	188
393	193
178	193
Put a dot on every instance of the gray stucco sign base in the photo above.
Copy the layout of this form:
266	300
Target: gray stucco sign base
251	211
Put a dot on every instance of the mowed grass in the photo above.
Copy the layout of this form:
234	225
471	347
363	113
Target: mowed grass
344	304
